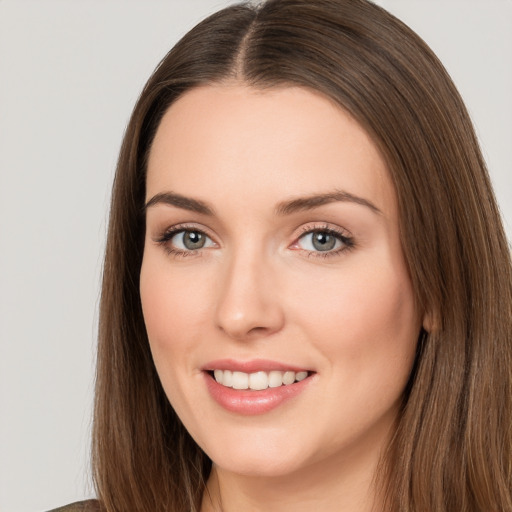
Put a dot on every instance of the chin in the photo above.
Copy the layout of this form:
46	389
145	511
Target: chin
259	457
260	467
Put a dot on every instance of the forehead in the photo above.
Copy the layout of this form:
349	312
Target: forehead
220	140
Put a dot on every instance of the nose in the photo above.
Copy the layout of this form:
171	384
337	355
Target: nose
248	304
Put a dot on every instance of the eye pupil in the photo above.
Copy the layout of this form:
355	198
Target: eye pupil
323	241
193	240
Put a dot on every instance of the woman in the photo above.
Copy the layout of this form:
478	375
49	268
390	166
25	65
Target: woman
307	295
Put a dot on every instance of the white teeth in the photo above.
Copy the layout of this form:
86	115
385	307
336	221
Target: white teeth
300	376
288	378
275	379
257	381
227	378
240	380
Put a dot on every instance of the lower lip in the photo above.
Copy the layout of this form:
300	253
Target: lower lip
248	402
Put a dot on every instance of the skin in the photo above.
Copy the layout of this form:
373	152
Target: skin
259	289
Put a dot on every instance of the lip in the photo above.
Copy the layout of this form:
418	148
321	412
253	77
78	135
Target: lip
252	366
250	402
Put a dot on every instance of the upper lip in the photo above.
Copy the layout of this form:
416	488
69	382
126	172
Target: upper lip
252	366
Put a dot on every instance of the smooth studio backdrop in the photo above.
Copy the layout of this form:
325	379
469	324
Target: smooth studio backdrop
70	73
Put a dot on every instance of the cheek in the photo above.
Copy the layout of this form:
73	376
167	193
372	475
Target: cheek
365	316
174	308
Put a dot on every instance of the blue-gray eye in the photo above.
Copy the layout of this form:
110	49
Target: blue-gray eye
322	241
188	240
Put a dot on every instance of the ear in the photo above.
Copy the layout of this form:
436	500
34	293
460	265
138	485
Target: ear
429	323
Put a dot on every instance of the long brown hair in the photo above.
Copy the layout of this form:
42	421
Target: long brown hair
452	450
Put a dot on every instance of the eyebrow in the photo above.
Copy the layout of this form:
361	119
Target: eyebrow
283	208
314	201
183	202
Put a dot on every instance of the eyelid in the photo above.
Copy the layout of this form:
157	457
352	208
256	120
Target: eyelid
339	232
323	226
170	231
166	235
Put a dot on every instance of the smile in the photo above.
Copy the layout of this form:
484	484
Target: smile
257	381
254	387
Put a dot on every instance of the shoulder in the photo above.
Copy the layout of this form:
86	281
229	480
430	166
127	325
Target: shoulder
80	506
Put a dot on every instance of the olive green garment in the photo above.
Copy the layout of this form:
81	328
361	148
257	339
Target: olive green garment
80	506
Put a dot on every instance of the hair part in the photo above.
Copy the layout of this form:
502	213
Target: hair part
452	449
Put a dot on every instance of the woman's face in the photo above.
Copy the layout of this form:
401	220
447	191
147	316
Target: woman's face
272	255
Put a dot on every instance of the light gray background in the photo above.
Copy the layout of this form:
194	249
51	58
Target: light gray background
70	72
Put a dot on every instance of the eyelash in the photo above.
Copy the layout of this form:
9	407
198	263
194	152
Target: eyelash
341	235
347	241
167	236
